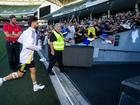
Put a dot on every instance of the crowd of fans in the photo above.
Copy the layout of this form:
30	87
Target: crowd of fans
76	31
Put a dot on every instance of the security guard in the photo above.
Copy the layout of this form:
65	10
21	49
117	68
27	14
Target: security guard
56	46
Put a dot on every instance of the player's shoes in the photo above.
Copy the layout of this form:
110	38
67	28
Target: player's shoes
38	87
1	81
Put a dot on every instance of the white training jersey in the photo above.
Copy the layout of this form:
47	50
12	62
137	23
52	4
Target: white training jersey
27	39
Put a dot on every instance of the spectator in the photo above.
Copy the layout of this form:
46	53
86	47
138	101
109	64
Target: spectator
77	29
91	31
80	34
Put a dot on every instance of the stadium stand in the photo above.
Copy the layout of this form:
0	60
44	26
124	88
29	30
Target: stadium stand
7	10
94	7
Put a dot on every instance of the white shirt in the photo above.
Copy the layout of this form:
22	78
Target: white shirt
28	40
72	31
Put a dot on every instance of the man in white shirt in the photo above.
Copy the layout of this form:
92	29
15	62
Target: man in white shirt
28	40
71	28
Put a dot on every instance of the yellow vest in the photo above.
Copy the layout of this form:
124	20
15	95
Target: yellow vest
59	44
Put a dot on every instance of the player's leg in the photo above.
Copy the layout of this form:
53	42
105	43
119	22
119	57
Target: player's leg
36	87
33	74
13	75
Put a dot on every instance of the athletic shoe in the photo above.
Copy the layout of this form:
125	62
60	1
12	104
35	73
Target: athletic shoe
1	81
38	87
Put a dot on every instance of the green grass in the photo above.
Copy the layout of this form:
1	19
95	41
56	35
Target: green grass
2	46
19	92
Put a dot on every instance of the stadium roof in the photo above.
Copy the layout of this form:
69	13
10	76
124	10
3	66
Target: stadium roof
17	10
34	2
78	9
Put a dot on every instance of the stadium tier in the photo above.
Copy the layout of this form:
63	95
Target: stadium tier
7	10
94	7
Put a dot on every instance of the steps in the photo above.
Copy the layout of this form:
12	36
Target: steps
70	96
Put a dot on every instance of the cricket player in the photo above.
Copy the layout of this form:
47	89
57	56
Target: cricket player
28	40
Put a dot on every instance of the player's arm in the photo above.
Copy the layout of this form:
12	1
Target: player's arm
34	48
29	42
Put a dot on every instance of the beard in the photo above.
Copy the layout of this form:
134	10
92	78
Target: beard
13	22
37	27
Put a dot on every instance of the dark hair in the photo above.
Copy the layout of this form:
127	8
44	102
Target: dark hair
32	19
12	16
